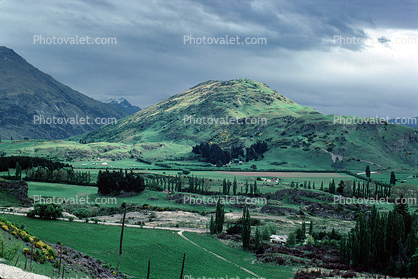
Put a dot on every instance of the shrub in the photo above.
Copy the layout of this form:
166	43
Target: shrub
82	213
272	227
291	240
310	240
40	244
46	211
265	235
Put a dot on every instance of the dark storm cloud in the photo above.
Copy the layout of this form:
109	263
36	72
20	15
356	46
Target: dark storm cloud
151	62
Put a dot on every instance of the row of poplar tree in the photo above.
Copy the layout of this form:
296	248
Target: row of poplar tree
360	189
201	185
384	242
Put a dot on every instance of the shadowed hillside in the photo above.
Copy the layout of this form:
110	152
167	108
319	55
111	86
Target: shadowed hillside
26	92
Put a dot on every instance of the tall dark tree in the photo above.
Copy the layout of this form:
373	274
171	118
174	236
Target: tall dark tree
246	228
219	217
212	225
368	171
392	178
332	187
234	186
18	170
224	187
257	238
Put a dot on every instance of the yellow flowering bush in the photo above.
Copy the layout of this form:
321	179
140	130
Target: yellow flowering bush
43	252
40	244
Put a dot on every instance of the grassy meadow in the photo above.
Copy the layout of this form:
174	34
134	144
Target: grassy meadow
164	248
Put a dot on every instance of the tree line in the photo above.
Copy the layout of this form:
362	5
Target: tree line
61	175
116	182
26	162
383	242
214	154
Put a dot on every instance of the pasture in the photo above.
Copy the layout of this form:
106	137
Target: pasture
164	248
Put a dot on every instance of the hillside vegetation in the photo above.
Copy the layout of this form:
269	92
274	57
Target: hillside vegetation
293	132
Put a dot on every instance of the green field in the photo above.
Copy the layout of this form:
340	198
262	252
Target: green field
164	248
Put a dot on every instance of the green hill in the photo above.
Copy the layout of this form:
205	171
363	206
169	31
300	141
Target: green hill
177	118
297	135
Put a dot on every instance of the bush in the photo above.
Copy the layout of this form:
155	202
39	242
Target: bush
235	229
272	227
185	171
265	235
46	211
291	239
82	213
310	240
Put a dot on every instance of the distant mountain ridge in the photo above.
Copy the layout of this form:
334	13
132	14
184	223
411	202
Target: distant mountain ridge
408	122
27	93
123	105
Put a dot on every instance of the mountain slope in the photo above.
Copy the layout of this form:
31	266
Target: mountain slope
293	132
168	120
124	105
27	93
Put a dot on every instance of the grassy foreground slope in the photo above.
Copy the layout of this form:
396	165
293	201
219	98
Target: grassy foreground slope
164	248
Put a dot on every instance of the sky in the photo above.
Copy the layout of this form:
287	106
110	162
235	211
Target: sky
339	57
